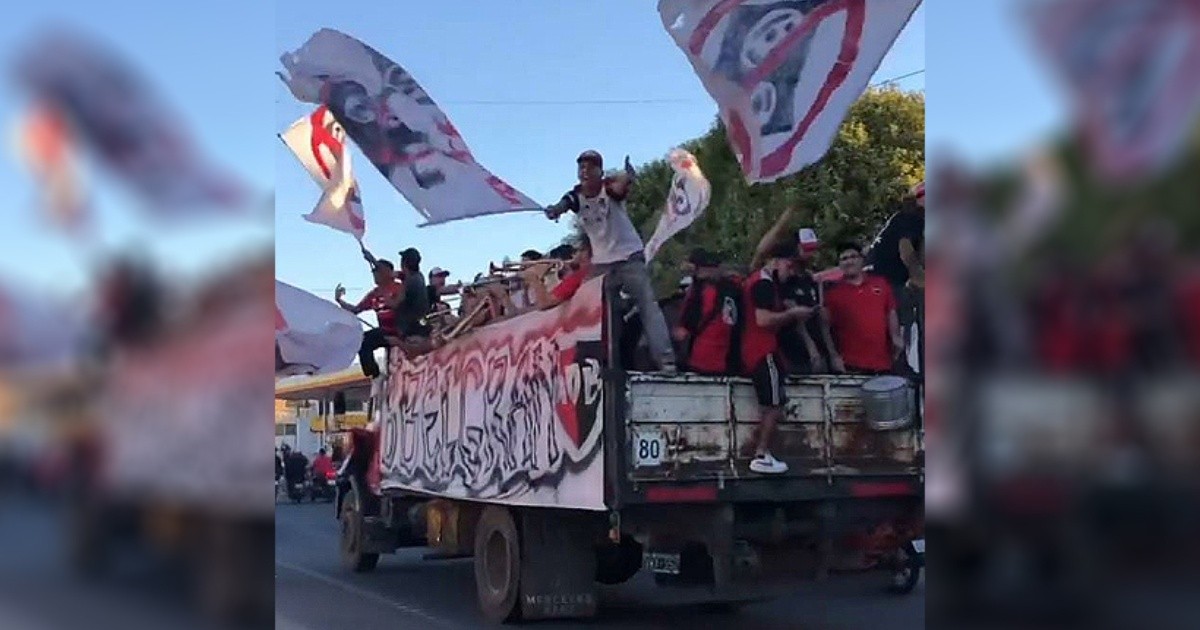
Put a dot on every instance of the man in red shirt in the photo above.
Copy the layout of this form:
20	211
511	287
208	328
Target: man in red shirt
709	317
321	465
766	315
381	300
581	264
862	314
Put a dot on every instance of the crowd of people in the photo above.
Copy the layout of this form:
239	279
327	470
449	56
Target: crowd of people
781	318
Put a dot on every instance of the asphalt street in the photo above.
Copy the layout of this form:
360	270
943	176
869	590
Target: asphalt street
313	591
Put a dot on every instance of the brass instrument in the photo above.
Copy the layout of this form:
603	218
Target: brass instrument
551	265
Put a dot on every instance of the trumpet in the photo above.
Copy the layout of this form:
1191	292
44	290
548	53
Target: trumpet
552	266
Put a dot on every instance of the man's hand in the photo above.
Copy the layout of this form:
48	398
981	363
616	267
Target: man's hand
554	211
339	292
800	313
629	170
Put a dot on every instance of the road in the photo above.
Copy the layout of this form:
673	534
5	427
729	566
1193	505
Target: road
312	592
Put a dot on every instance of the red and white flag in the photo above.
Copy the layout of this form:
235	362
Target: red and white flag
127	127
784	72
312	335
399	128
45	145
1130	70
689	196
319	143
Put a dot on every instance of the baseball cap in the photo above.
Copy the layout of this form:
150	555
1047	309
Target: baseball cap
438	271
591	156
808	239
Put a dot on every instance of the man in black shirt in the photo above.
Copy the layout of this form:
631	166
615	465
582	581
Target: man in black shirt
807	345
413	302
898	255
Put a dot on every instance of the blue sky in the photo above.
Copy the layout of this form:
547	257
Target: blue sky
211	63
214	64
526	50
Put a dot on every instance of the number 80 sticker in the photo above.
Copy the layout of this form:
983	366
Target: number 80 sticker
648	448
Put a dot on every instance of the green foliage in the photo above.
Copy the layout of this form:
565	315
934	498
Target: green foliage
879	153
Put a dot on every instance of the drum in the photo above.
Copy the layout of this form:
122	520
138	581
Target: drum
887	403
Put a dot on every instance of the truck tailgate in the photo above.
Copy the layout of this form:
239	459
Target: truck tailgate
692	428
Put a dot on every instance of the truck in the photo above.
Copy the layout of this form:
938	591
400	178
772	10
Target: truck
527	445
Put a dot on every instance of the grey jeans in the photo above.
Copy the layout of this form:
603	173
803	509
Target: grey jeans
632	277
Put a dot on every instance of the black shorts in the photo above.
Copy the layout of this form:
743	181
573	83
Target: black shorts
768	382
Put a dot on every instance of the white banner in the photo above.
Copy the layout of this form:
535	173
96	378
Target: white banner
689	196
398	127
1130	68
784	72
319	143
122	121
511	412
314	336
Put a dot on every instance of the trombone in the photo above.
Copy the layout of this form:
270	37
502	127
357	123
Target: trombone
552	266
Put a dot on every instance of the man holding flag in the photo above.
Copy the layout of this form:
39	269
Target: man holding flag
617	248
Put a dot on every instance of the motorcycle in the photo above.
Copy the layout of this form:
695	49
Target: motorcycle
298	489
324	487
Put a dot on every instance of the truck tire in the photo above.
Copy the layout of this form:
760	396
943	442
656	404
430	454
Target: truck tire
353	557
907	573
498	565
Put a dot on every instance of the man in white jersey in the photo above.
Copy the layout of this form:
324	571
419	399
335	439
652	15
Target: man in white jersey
617	248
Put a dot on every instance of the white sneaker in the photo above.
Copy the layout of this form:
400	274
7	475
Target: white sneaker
767	464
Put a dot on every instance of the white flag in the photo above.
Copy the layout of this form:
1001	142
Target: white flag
689	196
319	143
312	335
398	127
784	72
47	147
1130	70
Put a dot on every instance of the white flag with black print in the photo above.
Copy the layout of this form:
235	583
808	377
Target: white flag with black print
686	201
400	129
784	73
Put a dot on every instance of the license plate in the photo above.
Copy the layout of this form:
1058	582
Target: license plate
662	562
919	545
648	448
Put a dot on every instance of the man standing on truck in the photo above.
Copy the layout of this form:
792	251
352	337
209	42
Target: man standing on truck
766	315
862	314
617	248
709	318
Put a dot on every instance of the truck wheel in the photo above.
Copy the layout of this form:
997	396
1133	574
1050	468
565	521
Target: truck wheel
498	565
353	557
906	574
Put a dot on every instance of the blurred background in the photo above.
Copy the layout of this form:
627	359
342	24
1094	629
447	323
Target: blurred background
136	274
1063	304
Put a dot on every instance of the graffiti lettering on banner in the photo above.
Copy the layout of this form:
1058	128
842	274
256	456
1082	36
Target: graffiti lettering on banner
510	412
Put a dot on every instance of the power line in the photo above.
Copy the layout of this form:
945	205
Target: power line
630	101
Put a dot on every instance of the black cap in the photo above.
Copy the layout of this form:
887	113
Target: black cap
591	156
701	257
410	254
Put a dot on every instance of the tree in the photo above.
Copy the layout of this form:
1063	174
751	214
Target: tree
879	153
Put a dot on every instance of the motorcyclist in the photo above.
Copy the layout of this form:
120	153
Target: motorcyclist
295	464
322	465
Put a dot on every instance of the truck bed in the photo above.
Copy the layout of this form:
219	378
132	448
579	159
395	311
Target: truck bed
692	428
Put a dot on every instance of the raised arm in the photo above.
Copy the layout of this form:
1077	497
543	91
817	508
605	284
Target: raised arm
770	237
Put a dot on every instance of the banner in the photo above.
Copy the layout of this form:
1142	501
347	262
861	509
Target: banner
46	147
119	118
398	127
1130	70
512	412
689	196
784	73
319	143
185	419
312	335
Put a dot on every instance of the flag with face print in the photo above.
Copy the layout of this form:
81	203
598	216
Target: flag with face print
398	127
784	73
